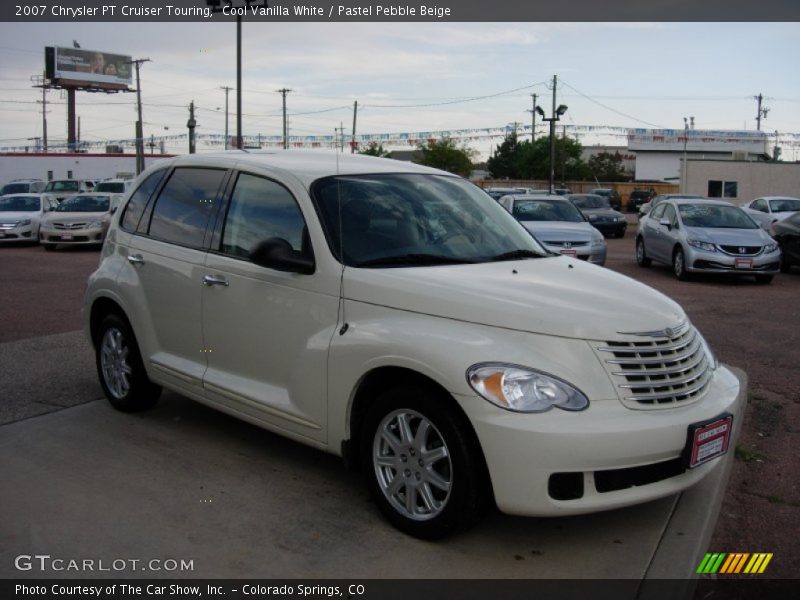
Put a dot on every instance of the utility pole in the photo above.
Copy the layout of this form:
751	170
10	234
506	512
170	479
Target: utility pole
762	112
40	81
139	129
283	93
191	124
353	141
556	116
532	110
227	89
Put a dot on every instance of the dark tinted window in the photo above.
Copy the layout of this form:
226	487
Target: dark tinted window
182	209
138	201
261	209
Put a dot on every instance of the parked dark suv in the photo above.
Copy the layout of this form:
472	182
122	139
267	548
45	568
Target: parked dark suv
637	198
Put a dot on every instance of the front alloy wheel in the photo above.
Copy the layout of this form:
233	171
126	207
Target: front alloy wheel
679	265
412	465
422	462
119	365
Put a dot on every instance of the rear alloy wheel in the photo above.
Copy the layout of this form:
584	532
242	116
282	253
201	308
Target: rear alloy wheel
120	367
422	466
641	256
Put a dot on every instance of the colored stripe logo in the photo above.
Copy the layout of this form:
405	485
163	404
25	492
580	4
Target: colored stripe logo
734	563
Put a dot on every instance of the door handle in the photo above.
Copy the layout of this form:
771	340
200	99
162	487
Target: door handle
135	259
215	280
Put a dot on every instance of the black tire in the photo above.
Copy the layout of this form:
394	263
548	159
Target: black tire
116	349
641	255
679	265
764	279
434	512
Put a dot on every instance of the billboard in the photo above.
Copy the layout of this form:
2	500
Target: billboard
89	68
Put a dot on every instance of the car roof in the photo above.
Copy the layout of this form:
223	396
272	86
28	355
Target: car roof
699	201
777	198
538	197
305	165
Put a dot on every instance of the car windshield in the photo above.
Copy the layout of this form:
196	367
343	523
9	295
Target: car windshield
84	203
715	216
113	187
546	210
396	220
784	204
15	188
590	202
62	186
19	204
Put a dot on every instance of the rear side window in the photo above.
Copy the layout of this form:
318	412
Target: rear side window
138	201
261	209
184	206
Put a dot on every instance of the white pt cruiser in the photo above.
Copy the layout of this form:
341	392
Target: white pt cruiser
396	315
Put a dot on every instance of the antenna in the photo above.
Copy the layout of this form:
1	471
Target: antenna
345	326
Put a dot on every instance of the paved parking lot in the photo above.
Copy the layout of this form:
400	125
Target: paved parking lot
185	481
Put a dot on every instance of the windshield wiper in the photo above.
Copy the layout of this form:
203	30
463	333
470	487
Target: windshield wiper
517	254
414	259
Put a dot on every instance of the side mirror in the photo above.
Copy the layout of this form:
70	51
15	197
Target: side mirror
666	223
276	253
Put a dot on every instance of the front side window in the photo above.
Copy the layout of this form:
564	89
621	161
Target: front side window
669	214
138	201
658	211
260	209
184	206
759	205
385	220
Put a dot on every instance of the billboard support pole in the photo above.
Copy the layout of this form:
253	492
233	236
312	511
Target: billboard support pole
139	128
71	137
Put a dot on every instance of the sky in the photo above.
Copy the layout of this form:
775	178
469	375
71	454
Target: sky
415	77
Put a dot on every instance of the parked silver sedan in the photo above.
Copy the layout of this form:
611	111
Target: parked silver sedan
558	225
706	236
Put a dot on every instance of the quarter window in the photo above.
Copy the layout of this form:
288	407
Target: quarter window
261	209
184	206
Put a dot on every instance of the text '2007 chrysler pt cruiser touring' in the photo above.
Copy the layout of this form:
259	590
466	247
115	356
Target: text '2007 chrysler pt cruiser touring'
398	316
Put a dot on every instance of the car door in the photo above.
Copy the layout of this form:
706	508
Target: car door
653	236
166	259
266	331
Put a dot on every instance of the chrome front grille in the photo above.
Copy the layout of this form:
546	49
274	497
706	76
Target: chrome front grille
69	226
741	250
658	369
567	244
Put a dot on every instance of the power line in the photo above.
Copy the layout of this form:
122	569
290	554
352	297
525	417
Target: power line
609	108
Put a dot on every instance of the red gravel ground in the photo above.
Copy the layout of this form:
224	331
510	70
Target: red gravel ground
754	327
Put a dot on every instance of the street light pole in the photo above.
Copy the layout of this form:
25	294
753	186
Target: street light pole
557	112
227	89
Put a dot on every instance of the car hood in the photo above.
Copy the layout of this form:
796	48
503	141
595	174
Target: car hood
559	231
8	217
557	296
781	215
728	237
74	217
602	212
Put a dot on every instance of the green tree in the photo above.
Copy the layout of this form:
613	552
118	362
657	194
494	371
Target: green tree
532	160
607	167
444	154
374	149
502	165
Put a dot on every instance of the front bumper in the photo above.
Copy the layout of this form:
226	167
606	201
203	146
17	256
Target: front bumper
593	254
71	236
610	227
605	447
24	233
701	261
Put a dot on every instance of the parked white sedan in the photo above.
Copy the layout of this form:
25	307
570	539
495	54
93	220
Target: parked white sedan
769	209
80	219
20	215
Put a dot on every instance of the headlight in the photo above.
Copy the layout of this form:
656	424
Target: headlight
95	225
520	389
23	223
708	247
598	241
592	217
770	248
